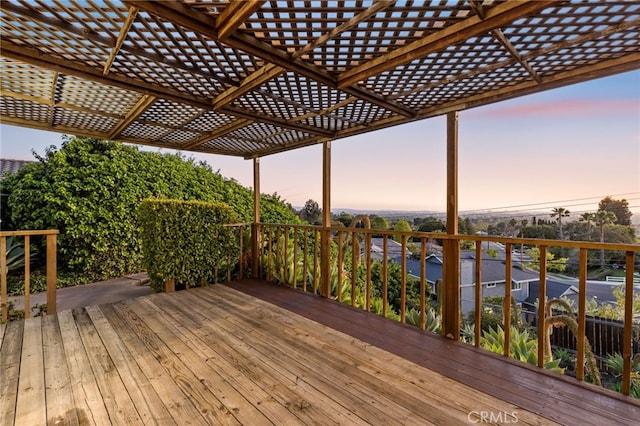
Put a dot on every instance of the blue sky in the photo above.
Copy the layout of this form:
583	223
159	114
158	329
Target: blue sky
580	142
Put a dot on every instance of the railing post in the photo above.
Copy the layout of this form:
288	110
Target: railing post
325	237
255	227
451	248
628	323
51	274
3	277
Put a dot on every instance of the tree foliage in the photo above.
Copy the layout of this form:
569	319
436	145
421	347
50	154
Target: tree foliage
311	212
90	189
402	225
620	208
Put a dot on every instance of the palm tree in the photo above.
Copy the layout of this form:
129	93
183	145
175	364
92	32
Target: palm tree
602	218
588	217
560	212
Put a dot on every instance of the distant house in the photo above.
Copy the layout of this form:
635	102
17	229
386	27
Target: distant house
493	278
394	250
11	166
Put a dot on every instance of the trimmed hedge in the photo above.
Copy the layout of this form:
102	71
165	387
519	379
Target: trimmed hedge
90	190
184	240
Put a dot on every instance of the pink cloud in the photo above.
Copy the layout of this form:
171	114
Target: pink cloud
561	108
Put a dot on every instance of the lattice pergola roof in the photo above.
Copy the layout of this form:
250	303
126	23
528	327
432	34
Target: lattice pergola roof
251	78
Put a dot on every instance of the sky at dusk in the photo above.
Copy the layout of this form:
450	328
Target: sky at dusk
567	147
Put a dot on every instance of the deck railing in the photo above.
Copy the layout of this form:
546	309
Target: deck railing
292	255
51	269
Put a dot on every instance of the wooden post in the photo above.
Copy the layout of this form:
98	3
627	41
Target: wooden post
325	241
255	227
627	352
3	277
51	274
451	291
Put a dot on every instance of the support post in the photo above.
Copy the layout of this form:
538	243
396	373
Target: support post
255	227
451	291
325	238
51	274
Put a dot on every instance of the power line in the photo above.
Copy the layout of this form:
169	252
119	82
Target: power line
561	202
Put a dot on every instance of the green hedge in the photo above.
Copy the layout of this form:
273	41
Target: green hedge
184	240
90	189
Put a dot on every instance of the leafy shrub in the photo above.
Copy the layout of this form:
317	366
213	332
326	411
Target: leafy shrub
90	190
184	240
523	347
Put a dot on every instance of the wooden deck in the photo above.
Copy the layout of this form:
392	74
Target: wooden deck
244	354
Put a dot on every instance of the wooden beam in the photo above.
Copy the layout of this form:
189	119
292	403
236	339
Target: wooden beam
276	121
133	12
251	82
565	44
451	281
35	57
234	16
194	20
138	109
218	133
497	33
496	17
41	125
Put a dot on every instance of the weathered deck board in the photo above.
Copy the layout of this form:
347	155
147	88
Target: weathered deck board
10	370
221	356
556	397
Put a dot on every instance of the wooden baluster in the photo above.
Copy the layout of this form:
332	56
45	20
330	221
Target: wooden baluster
340	266
477	329
628	324
582	298
542	306
367	292
423	283
316	269
403	281
295	257
385	275
507	300
355	254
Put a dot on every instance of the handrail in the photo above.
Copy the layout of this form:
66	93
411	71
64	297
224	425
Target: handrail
51	269
289	254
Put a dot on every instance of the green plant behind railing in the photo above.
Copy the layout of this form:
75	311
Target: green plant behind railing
15	254
615	365
184	240
523	347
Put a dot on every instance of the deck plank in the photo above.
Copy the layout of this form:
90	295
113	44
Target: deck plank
252	353
242	389
450	401
489	373
90	407
59	396
146	401
114	393
10	371
292	392
401	378
207	403
232	398
298	361
178	405
30	407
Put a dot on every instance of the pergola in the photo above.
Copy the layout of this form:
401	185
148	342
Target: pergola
253	78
